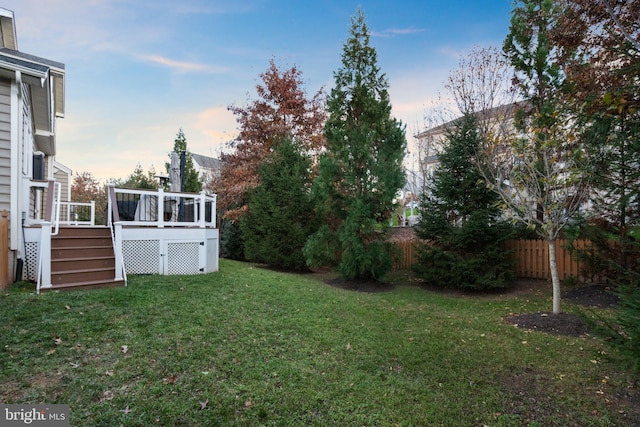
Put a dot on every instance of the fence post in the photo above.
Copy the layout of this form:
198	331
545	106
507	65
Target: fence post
4	249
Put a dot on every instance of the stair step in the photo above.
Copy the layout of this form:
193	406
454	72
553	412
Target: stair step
80	252
83	231
81	241
83	275
90	284
60	265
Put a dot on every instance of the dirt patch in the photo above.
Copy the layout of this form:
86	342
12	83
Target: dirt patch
531	399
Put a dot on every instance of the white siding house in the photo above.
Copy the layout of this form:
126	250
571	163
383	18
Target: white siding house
31	99
207	167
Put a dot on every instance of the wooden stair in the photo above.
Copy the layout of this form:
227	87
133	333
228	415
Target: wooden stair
82	258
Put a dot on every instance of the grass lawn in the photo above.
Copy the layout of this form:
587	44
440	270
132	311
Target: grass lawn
249	346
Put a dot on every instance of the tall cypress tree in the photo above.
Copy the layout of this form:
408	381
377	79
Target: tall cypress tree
361	170
460	221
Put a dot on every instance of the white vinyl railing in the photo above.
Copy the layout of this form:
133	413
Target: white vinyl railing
40	205
77	213
161	208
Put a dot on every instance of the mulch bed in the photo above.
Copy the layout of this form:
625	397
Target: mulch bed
567	323
560	323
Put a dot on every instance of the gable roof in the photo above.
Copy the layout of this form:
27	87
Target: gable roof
206	162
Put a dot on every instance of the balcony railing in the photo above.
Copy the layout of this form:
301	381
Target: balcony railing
161	208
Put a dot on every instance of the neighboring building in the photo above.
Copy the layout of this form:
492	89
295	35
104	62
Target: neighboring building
207	167
492	121
493	124
31	99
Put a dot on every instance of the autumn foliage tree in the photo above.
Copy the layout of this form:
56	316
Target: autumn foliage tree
282	110
85	188
601	41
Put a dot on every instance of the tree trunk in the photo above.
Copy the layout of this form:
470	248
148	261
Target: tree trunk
555	279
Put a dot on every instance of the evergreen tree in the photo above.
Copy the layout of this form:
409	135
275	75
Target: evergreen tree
231	243
280	216
138	179
192	183
361	170
459	220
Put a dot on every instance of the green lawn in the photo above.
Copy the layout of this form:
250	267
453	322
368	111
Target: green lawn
249	346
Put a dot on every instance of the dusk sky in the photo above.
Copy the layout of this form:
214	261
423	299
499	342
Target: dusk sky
139	70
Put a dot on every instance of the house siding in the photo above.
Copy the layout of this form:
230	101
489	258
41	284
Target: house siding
64	179
5	144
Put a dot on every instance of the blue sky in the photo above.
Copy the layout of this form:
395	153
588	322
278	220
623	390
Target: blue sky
139	70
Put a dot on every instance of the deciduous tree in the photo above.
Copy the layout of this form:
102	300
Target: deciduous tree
538	171
282	110
480	86
85	188
605	75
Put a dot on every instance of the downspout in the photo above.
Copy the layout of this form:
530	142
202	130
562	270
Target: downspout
16	196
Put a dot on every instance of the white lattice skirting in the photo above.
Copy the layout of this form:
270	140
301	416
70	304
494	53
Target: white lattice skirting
170	251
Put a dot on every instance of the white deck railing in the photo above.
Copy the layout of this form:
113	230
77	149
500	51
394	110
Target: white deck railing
77	213
148	208
62	212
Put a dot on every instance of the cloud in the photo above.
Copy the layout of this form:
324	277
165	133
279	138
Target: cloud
217	123
392	32
454	53
180	65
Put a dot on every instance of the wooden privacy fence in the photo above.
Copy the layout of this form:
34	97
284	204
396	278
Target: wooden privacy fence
4	249
531	258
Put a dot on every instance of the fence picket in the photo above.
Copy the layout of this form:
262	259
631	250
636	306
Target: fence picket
531	258
4	249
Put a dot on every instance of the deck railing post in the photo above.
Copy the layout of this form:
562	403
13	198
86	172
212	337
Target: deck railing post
201	211
117	249
214	201
44	257
93	212
161	207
